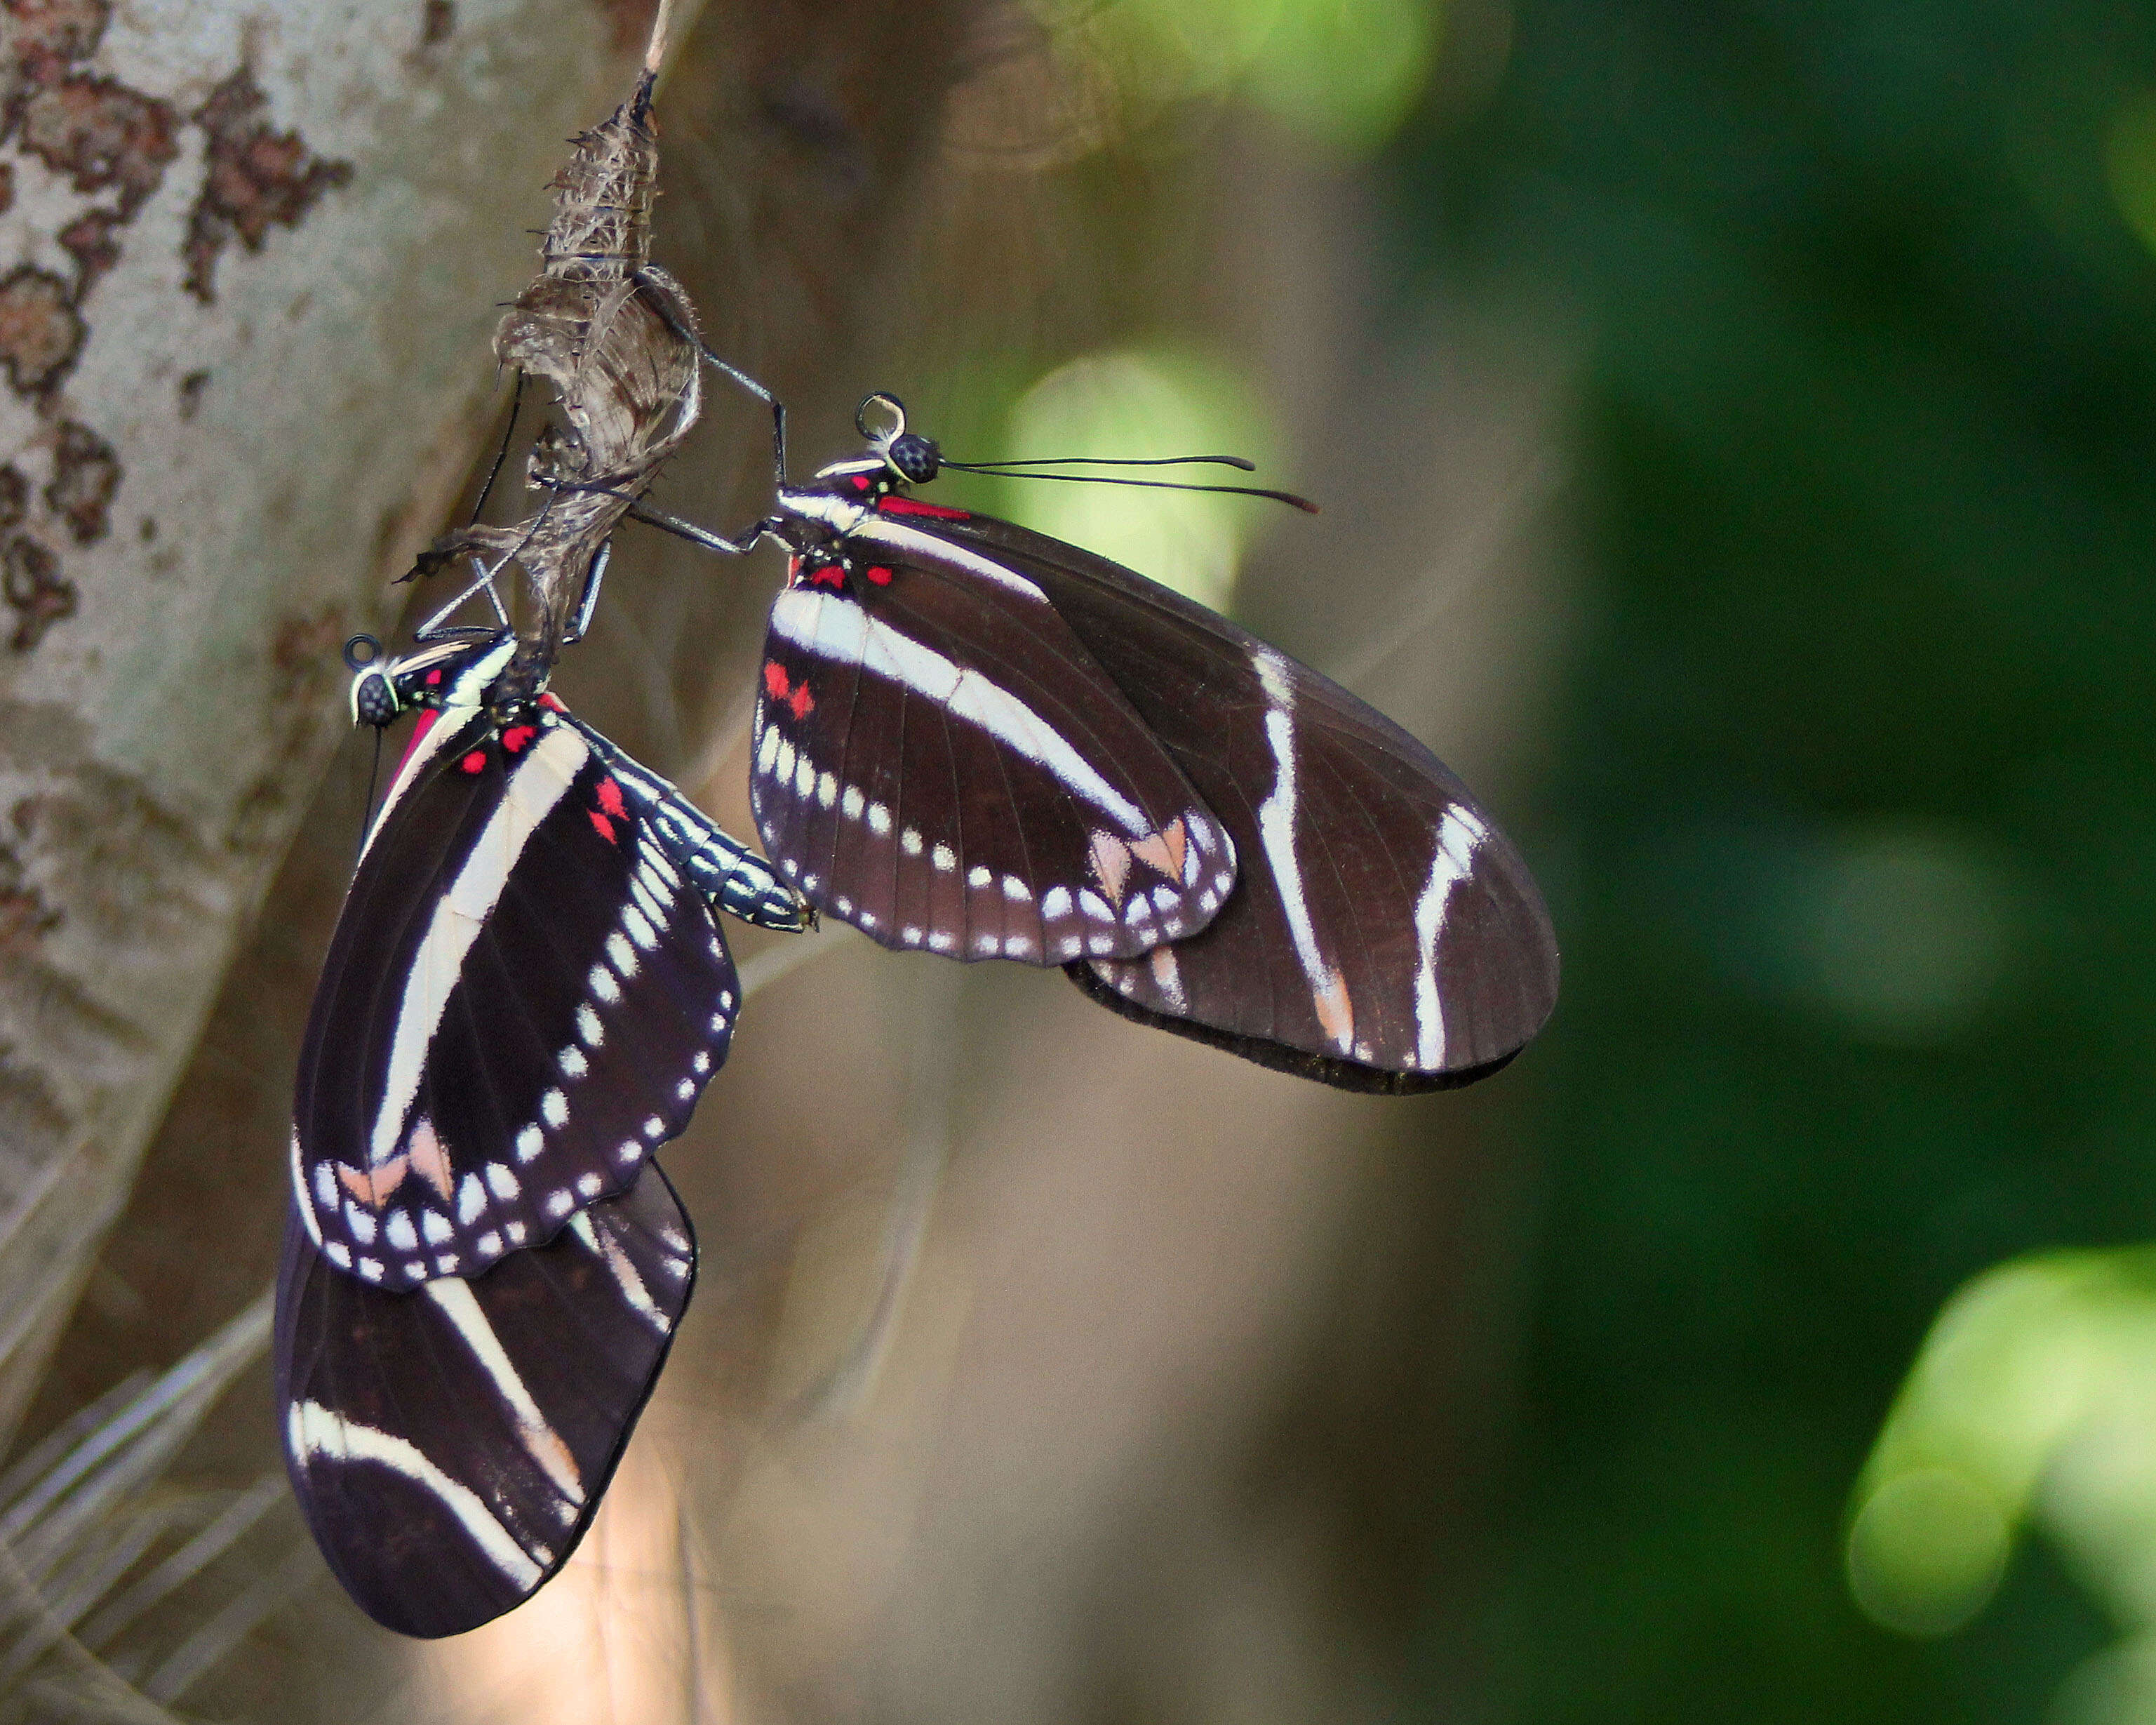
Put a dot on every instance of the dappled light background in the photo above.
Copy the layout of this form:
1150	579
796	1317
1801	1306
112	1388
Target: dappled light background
1737	433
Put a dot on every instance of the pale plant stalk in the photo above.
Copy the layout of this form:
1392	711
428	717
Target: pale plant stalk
94	1501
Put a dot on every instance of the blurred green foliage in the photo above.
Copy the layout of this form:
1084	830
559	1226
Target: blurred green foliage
2034	1400
1127	404
1344	73
1850	845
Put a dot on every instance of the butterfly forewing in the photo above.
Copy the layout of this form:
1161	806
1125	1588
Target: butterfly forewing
1383	934
939	761
448	1444
524	997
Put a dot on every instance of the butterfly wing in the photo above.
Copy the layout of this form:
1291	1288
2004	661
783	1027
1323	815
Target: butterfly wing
449	1445
939	761
727	871
524	997
1385	933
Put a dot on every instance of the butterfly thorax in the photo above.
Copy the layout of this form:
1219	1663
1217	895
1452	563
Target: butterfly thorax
839	563
442	676
828	523
838	500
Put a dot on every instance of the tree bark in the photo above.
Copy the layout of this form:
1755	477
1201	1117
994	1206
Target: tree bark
259	252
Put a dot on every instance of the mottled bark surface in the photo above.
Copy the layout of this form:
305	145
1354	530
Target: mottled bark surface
244	349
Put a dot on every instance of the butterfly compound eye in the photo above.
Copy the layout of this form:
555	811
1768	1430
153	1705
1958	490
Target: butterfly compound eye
915	456
373	701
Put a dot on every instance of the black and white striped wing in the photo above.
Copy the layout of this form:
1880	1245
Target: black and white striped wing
1384	934
727	871
449	1445
940	763
525	996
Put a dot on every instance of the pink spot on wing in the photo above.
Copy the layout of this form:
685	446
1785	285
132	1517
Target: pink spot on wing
830	575
908	506
434	678
474	761
610	799
879	575
605	826
553	701
775	679
516	736
428	716
800	701
860	482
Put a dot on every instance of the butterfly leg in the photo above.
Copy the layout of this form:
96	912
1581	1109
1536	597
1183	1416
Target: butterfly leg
661	301
433	628
737	546
501	455
589	602
740	546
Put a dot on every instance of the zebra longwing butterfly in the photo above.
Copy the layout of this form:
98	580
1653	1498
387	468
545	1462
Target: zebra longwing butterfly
973	740
527	990
449	1445
525	993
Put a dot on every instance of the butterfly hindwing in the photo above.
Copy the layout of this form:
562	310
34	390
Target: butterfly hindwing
1383	934
525	996
449	1444
939	761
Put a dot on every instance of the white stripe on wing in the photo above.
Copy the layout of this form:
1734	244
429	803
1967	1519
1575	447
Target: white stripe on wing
536	784
454	1297
830	626
458	703
313	1430
1278	817
1457	836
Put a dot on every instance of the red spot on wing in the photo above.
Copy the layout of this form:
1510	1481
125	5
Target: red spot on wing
829	576
800	701
860	482
775	679
428	716
610	799
434	678
552	700
515	738
474	761
910	506
879	575
605	826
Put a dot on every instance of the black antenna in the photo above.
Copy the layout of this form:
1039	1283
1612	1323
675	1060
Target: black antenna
366	819
1107	461
1161	485
429	562
916	458
501	455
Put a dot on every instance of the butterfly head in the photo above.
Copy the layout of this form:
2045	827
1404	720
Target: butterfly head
848	491
914	460
456	673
